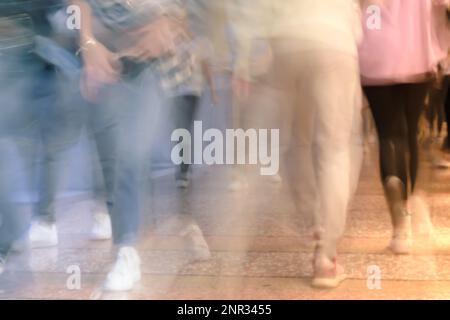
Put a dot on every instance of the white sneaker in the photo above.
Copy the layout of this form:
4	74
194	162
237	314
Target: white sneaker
42	235
101	228
182	183
126	271
401	245
196	243
401	242
328	274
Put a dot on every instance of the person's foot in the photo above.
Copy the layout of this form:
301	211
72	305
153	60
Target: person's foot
182	180
401	242
328	273
101	228
43	234
125	272
196	243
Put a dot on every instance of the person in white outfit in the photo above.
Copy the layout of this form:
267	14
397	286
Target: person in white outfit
315	71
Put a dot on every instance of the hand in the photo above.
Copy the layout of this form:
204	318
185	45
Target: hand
100	67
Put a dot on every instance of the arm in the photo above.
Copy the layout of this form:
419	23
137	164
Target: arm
160	35
248	20
100	66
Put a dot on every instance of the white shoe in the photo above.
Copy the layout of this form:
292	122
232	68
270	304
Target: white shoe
401	242
401	245
101	228
126	271
328	274
196	243
237	185
42	235
182	183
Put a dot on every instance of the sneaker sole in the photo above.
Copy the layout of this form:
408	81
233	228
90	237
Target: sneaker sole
39	245
327	283
124	288
197	256
401	252
182	184
100	238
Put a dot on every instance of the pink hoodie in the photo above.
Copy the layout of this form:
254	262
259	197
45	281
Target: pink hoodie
413	37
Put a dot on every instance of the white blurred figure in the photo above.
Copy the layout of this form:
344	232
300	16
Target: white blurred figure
316	74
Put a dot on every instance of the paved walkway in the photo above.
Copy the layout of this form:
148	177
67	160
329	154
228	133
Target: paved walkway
258	247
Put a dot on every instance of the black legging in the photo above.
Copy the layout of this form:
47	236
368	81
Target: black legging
445	87
435	108
184	110
396	110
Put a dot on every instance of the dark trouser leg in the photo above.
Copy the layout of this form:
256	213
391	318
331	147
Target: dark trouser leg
446	84
184	109
414	94
59	128
390	119
123	131
104	126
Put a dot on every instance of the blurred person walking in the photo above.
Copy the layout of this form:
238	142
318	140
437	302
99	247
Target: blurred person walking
119	41
185	73
315	71
36	126
396	61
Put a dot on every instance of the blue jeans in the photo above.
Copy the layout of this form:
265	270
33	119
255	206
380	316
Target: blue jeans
37	124
17	127
59	126
122	125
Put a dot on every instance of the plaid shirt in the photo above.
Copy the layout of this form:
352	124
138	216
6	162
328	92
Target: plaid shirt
179	71
129	14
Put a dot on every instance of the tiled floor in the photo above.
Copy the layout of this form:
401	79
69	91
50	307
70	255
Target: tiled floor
259	248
